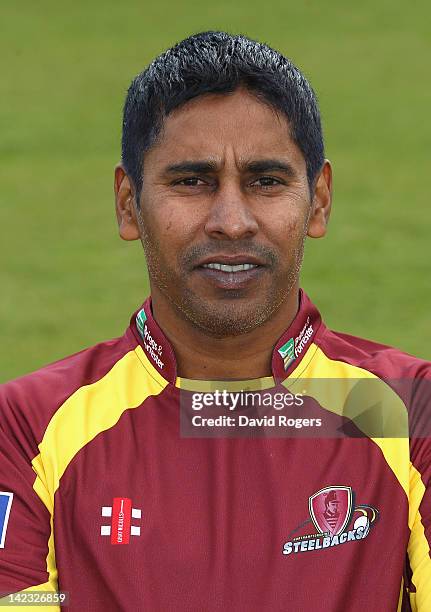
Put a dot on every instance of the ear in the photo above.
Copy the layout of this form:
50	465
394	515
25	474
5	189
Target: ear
321	204
124	205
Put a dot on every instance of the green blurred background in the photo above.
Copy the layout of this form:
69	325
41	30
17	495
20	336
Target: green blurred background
68	281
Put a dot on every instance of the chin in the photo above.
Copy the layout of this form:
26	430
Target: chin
228	317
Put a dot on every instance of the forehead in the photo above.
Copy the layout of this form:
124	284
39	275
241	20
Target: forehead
214	125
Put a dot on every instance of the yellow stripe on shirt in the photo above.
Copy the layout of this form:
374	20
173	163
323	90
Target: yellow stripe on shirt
86	413
418	549
354	396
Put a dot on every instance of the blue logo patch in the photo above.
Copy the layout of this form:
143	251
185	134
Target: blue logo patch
5	506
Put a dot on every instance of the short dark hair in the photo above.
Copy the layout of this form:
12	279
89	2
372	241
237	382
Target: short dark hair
217	62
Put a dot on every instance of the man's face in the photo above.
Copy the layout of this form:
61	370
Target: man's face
224	187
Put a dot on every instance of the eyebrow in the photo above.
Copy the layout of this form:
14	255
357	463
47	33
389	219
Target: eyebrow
270	165
256	166
198	167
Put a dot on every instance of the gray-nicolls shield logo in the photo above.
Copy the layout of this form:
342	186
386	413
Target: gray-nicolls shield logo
331	509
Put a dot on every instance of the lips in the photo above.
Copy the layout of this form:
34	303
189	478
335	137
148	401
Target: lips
232	261
230	273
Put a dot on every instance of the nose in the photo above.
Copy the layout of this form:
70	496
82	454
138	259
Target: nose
230	215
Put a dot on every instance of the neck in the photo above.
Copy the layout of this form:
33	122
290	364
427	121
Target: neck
201	356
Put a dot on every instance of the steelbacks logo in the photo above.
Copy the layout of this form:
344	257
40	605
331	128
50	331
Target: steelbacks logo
332	510
294	346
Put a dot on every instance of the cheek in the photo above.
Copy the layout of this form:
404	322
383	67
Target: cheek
286	232
169	229
175	228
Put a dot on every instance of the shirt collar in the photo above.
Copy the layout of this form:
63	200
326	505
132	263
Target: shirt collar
287	353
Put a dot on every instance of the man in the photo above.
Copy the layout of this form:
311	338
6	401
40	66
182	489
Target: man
191	464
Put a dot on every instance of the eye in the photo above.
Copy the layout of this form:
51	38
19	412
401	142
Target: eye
192	181
266	181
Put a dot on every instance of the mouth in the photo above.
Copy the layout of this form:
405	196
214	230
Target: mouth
228	268
231	272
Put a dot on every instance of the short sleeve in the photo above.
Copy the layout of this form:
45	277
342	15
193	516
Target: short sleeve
27	560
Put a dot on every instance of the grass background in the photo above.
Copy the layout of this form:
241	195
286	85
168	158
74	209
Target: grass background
67	281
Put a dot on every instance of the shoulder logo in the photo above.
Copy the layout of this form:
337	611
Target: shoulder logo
332	510
141	317
294	346
287	352
6	499
122	514
153	348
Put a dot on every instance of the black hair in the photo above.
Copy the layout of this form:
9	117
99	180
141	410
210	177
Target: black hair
218	62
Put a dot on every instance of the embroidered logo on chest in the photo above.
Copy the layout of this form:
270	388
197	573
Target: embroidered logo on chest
332	510
123	520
